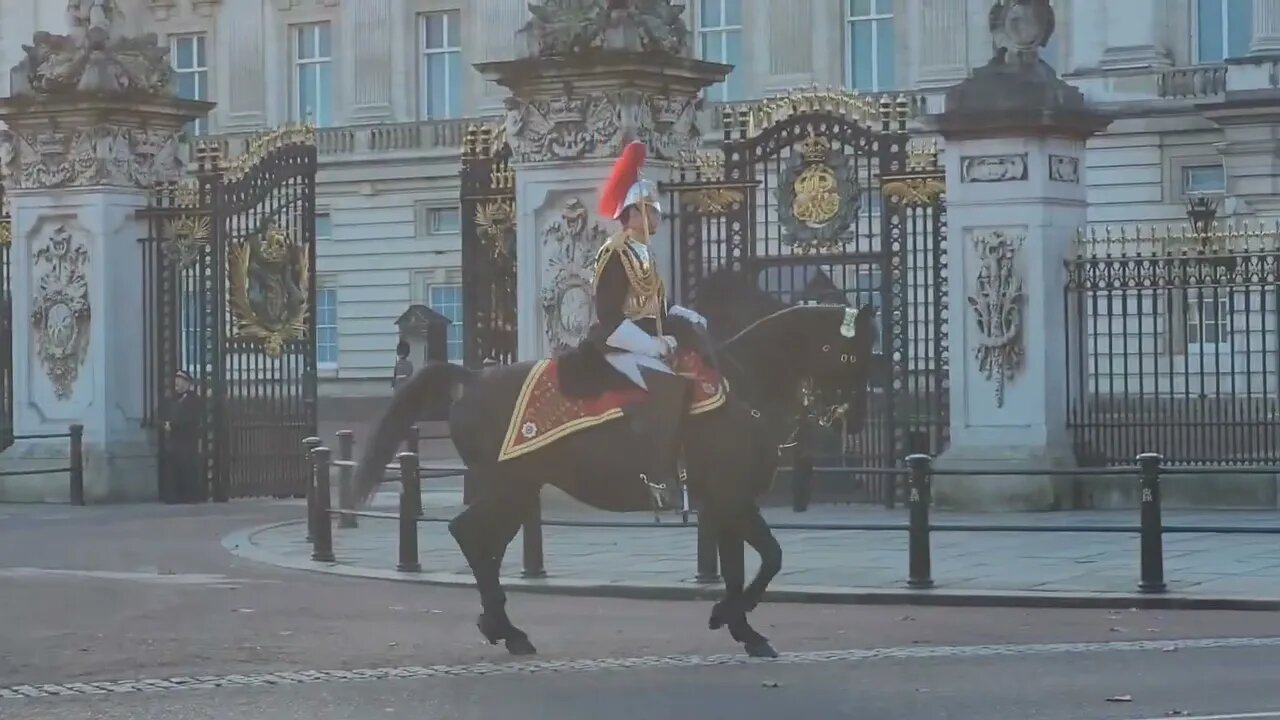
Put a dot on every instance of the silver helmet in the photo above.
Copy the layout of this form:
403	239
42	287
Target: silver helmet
642	190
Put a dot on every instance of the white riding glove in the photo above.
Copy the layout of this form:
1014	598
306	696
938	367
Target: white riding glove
687	314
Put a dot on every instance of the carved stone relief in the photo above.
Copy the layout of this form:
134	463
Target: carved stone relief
87	156
1064	168
993	168
569	244
997	301
60	313
572	128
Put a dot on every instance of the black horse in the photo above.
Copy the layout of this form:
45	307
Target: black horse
731	452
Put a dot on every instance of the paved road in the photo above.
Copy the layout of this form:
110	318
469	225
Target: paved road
112	595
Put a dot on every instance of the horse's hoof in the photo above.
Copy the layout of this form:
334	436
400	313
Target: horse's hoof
489	630
761	649
521	646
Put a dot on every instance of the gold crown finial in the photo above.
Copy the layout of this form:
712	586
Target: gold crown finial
814	149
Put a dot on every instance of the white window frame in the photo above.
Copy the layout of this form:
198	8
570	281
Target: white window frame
199	70
429	286
326	285
1187	171
328	216
434	226
849	21
425	53
1194	324
720	92
1226	33
323	93
189	310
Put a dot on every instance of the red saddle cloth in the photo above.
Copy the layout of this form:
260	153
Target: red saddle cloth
543	414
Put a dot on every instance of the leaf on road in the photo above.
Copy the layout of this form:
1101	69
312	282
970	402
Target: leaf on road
770	683
244	610
1120	698
1175	713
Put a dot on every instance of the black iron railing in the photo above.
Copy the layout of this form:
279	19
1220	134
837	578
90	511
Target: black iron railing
75	461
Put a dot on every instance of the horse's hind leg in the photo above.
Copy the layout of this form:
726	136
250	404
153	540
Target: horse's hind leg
761	539
483	531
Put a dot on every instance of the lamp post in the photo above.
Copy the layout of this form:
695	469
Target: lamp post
1202	210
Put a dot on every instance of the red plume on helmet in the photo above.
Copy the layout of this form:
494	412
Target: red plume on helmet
625	173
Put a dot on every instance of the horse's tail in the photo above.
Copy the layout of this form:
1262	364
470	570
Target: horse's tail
406	402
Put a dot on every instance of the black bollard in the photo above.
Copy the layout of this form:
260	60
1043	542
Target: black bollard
1152	580
322	526
346	479
413	444
77	464
919	570
802	465
534	562
409	510
708	548
309	445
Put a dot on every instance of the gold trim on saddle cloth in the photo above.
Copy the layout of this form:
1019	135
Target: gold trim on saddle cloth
523	437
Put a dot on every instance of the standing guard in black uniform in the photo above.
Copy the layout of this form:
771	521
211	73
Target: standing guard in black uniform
631	308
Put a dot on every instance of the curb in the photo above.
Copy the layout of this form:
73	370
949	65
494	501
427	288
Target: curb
240	544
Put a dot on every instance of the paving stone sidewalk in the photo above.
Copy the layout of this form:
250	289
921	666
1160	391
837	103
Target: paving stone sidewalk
1197	565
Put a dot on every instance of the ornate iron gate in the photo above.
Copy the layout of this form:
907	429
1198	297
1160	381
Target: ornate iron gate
820	198
230	290
488	206
6	327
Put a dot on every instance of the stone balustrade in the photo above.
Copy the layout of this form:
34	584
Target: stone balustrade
1198	81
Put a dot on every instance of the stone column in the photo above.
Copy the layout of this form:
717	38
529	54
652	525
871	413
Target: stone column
79	157
497	21
940	45
570	114
1266	28
241	55
1016	195
368	74
1135	37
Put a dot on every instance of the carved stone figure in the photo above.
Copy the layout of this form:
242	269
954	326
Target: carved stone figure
996	302
569	244
600	125
94	57
1019	28
560	28
60	316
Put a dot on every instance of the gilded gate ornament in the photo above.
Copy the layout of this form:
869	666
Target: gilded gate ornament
61	314
269	279
186	237
818	198
997	306
496	223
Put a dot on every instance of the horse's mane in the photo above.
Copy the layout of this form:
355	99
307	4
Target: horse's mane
731	301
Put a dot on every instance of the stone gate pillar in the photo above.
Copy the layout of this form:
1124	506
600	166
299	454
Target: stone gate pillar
589	81
93	121
1016	197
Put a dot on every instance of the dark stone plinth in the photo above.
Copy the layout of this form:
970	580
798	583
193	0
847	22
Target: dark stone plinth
1005	99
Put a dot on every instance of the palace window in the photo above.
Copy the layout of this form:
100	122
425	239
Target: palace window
1208	319
869	45
446	299
441	70
1204	179
326	326
1223	29
720	40
312	74
191	66
324	227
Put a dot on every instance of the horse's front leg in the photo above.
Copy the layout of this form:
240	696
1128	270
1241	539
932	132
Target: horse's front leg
732	610
761	539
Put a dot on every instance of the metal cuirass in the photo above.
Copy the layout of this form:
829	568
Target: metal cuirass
646	295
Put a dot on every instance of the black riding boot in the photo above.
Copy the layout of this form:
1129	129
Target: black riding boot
660	424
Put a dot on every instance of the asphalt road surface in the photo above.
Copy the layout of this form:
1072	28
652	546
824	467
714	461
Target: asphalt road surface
138	613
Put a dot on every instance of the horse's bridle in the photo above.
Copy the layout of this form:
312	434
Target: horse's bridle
825	420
